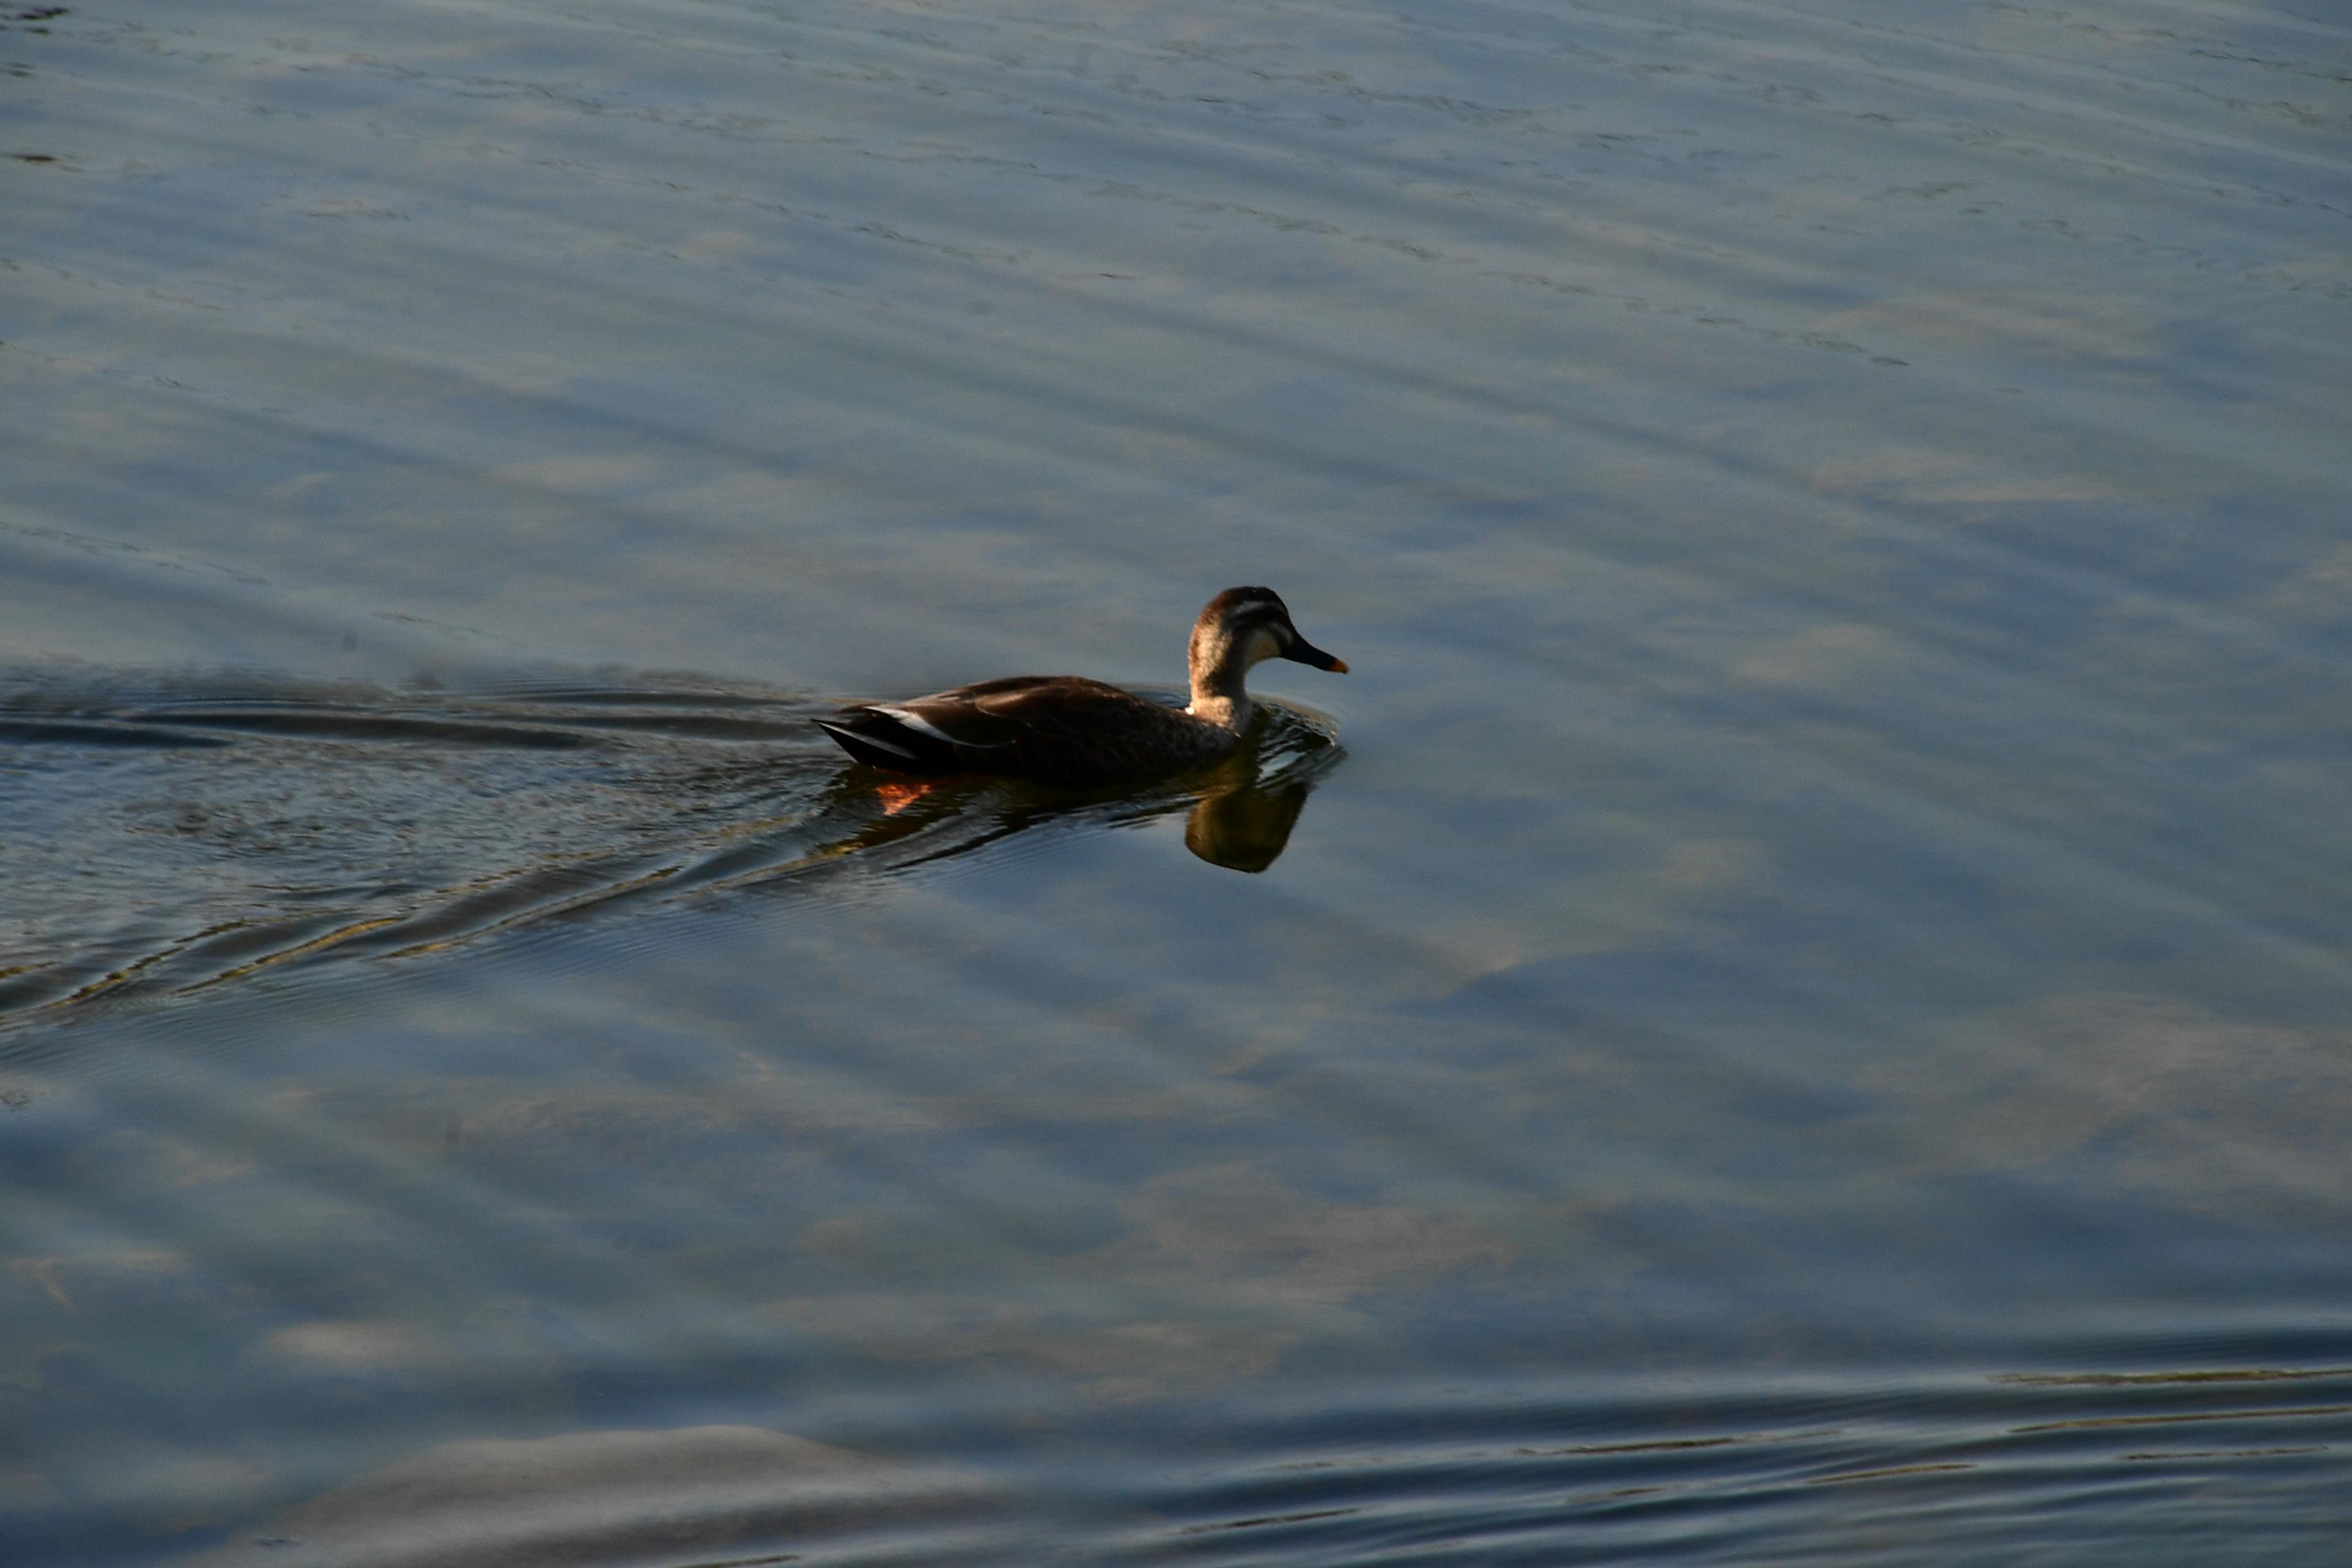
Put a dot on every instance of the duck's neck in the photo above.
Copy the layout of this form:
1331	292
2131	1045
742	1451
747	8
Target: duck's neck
1227	711
1218	697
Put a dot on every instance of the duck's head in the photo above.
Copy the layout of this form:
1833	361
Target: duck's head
1238	628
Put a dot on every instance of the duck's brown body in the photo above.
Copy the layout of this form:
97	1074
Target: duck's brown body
1066	729
1059	728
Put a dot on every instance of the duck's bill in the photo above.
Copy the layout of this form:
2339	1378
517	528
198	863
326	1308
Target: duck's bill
1305	652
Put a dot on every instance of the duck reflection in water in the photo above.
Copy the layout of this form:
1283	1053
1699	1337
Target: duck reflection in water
1247	827
1240	812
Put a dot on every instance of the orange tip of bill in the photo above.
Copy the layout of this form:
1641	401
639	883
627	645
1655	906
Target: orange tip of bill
1339	666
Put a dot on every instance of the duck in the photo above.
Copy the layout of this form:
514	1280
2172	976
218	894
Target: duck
1069	730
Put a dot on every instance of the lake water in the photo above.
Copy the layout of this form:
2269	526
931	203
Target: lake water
1796	1007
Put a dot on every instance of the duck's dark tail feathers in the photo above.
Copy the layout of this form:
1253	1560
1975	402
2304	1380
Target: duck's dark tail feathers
879	741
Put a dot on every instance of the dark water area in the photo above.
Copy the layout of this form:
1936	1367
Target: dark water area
1794	1006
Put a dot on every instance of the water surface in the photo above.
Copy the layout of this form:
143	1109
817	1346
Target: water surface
1803	1017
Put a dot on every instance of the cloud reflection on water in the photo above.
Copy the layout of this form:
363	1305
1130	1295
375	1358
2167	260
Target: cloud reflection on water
1837	895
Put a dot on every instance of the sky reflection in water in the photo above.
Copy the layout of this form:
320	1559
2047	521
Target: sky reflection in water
1808	1022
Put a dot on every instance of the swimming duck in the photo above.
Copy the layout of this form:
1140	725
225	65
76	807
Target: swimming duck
1066	729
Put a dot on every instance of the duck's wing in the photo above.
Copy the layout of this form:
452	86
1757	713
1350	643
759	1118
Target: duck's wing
1022	725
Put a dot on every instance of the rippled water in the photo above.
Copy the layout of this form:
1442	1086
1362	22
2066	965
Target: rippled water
1793	1007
